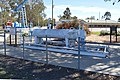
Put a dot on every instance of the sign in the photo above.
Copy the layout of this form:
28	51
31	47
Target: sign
113	29
12	31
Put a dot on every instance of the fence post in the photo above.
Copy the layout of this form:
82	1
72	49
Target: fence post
78	53
23	46
5	42
46	51
10	39
20	36
15	37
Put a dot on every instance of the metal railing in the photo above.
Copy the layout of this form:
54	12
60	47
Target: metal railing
46	46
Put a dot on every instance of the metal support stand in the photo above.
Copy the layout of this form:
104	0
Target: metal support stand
46	51
78	53
4	42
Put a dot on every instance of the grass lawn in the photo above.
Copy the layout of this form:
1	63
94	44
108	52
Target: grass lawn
96	33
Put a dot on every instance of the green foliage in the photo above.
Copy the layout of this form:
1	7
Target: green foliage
33	15
107	15
36	13
25	34
104	32
90	18
118	33
118	19
96	33
66	14
74	18
113	1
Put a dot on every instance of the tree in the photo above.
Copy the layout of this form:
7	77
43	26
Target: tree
74	18
107	15
66	14
113	1
118	19
90	18
87	19
37	11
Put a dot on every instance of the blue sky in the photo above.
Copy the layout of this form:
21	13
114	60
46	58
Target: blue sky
83	8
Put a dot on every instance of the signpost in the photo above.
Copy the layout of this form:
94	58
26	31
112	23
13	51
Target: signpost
113	30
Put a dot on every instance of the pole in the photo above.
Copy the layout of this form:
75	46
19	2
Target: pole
10	39
15	37
78	53
116	33
23	46
99	15
5	42
110	34
46	51
52	14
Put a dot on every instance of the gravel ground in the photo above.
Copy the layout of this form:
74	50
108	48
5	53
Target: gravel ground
13	68
97	38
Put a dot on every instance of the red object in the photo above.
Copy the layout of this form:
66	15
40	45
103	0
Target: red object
9	23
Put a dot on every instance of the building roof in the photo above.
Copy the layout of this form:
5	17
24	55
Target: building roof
104	22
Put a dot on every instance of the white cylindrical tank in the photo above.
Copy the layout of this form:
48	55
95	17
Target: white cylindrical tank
56	33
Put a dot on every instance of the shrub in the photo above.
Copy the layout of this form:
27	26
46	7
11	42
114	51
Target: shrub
72	24
118	33
104	32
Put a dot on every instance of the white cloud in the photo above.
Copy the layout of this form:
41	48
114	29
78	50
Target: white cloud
82	11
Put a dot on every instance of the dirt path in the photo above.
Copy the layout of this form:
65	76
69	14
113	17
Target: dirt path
12	68
97	38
